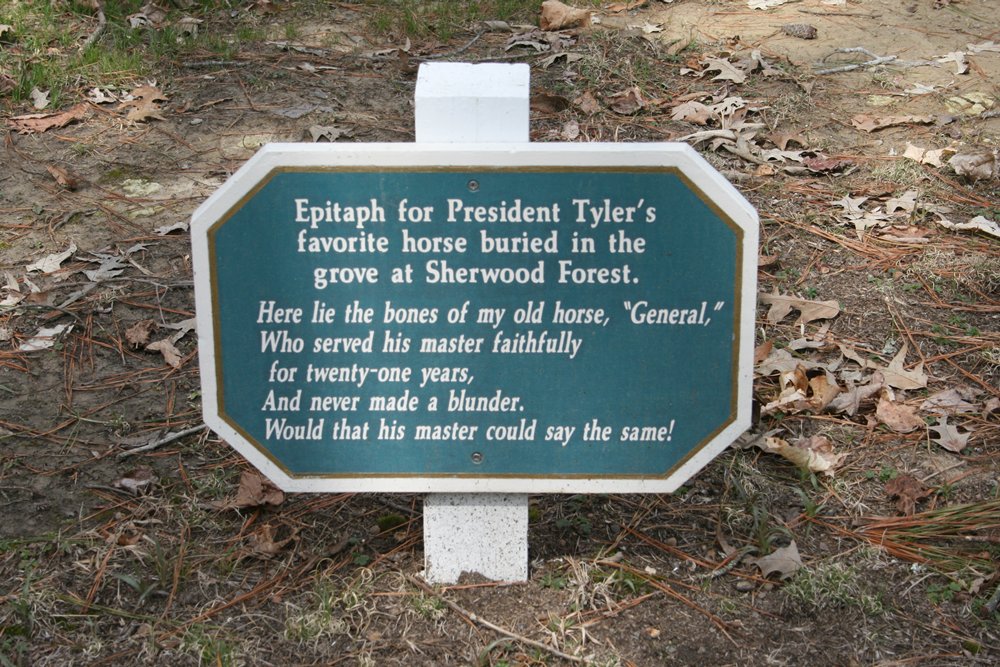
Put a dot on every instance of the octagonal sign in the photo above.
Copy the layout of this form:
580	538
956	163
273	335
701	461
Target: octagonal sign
491	318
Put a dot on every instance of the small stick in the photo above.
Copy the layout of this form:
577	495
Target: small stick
159	443
101	25
991	606
495	628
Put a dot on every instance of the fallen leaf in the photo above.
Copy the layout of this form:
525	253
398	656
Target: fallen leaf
179	226
548	103
4	29
949	437
138	333
908	490
545	62
44	338
977	166
62	177
726	70
255	490
946	402
556	16
782	140
900	378
265	542
111	266
926	156
266	7
570	131
957	57
762	351
786	561
144	102
693	112
866	123
43	122
978	223
52	262
897	416
39	100
137	480
809	310
824	163
906	203
329	132
170	353
992	405
765	4
627	102
813	454
587	103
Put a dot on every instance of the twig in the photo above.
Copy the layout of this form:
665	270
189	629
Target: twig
991	606
162	441
212	63
452	53
101	25
495	628
875	61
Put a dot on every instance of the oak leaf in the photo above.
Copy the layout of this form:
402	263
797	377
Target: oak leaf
727	72
137	480
43	122
898	416
785	561
693	112
548	103
908	490
588	103
949	437
62	177
144	103
170	353
556	16
138	333
809	310
900	378
627	102
255	490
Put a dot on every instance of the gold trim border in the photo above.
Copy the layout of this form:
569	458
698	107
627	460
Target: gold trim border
675	171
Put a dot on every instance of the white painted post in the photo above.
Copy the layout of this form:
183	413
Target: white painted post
484	533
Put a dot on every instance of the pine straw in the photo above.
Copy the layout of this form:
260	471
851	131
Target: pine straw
917	538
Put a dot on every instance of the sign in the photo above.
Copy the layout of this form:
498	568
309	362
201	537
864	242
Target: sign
490	318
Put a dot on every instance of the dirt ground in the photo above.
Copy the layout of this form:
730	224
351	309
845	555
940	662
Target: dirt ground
118	559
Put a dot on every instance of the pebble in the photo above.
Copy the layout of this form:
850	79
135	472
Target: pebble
744	586
196	121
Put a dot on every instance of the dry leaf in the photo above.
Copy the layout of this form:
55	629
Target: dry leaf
548	103
977	166
52	262
900	378
266	7
809	310
927	156
43	122
39	100
266	544
727	72
570	131
992	405
824	163
908	490
62	177
138	333
948	401
785	561
44	338
619	7
867	123
256	490
898	416
949	437
587	103
814	454
978	223
693	112
627	102
762	351
144	103
137	480
782	140
556	16
170	353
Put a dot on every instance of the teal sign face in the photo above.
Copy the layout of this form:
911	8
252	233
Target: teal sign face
456	324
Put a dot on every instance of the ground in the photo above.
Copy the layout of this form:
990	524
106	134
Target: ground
180	555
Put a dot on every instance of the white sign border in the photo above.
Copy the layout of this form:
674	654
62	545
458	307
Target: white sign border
698	173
